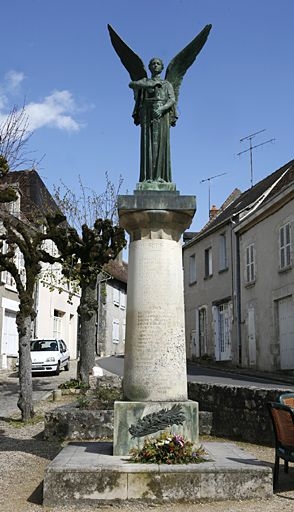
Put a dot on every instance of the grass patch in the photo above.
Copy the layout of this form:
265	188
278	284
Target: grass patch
101	398
73	384
18	423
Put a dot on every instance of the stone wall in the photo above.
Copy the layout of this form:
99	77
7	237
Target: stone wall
237	412
232	412
72	423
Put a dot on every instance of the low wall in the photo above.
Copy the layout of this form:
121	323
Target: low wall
68	422
232	412
71	423
238	412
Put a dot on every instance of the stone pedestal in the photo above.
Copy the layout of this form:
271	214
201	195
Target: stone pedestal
128	414
155	355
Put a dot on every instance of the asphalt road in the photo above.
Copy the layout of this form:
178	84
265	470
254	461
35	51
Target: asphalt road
198	373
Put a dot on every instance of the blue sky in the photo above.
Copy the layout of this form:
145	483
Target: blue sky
57	57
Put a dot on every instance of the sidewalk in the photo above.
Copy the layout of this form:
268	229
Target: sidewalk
222	367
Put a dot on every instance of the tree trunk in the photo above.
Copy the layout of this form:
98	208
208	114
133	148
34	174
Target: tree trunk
88	314
25	400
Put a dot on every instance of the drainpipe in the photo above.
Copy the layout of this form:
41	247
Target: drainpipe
238	297
236	284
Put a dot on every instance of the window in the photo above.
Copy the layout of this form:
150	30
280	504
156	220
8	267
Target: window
285	246
192	269
115	296
208	262
13	207
250	270
63	346
18	260
223	257
7	279
57	323
122	299
124	331
115	331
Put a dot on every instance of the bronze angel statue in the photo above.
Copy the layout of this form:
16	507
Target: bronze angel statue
156	102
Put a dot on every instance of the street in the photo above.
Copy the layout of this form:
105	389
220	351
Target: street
198	373
43	384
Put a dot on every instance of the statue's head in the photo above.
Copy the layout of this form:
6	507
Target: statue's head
156	64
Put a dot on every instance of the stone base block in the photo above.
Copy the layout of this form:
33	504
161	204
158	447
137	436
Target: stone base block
88	473
130	414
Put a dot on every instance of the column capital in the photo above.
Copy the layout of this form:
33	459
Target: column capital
156	214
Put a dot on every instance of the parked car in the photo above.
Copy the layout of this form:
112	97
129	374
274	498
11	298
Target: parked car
49	355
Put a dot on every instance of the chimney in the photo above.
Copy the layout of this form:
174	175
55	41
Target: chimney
213	212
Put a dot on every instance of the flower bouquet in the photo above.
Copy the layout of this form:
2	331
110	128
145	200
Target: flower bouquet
167	448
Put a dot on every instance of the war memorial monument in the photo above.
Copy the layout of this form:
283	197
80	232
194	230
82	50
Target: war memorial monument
155	378
155	217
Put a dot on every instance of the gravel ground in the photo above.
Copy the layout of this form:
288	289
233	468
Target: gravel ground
24	456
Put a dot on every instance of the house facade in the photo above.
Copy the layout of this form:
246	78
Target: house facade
112	302
209	291
265	240
56	315
239	279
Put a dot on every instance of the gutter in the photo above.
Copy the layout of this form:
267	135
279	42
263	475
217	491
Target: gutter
249	210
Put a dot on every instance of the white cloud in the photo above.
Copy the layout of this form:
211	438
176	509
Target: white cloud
10	85
3	101
14	79
55	111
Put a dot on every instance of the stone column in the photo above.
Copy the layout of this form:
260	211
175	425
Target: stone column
155	373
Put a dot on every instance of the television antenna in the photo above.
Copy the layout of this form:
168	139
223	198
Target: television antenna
209	180
250	137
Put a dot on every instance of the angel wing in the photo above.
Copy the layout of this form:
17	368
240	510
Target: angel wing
184	59
131	61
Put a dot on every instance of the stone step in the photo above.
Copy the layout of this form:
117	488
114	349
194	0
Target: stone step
88	472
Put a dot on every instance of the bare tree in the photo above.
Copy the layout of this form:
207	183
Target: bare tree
95	239
14	138
87	205
18	236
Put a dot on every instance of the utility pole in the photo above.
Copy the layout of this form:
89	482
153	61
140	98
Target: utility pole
250	137
209	180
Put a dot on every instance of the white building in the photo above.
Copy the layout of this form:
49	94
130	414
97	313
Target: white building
112	302
56	317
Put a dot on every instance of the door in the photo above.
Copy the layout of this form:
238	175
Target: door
199	335
10	334
64	354
286	332
222	319
251	336
194	345
202	331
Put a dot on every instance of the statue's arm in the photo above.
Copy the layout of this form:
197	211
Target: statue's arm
170	97
144	83
169	103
